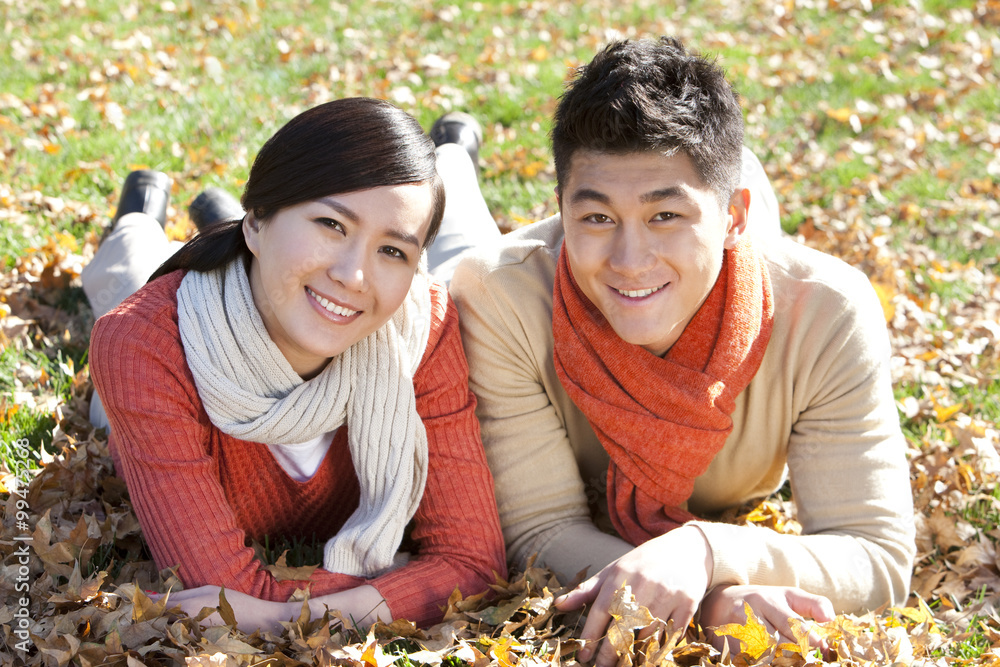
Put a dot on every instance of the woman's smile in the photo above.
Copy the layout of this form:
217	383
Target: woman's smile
332	307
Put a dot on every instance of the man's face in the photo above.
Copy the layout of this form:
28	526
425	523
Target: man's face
645	239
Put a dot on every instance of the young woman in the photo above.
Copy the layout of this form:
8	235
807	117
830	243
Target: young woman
298	373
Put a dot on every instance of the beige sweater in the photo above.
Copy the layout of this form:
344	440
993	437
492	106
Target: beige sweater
820	410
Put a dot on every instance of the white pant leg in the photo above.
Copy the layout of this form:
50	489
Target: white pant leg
467	220
122	264
124	261
763	218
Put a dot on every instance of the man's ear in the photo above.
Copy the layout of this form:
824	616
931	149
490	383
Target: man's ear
558	192
736	217
251	233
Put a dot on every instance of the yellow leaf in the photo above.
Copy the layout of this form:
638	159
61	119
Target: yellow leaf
373	655
918	615
179	230
946	412
805	631
626	617
840	115
65	240
753	635
885	294
501	651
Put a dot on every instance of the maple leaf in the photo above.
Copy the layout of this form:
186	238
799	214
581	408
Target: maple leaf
753	635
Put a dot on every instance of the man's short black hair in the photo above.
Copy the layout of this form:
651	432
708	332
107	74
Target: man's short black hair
637	96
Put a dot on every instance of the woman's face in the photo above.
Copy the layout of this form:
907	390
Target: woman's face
328	272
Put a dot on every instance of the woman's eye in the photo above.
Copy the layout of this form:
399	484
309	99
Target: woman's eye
331	223
394	252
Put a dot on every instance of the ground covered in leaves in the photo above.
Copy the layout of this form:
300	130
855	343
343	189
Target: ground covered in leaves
84	569
74	568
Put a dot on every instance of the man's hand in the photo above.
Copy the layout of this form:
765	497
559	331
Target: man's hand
773	605
668	575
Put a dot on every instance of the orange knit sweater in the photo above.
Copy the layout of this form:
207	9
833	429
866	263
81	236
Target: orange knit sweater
200	494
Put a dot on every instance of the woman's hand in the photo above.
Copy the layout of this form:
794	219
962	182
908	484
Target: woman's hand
251	613
773	605
362	605
668	575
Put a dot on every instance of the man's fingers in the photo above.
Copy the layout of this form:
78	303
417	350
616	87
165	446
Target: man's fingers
593	631
651	629
783	625
809	605
579	596
607	656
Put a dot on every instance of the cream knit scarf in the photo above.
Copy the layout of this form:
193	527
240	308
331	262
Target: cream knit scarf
250	392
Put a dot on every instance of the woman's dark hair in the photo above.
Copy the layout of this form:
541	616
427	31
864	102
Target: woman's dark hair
644	95
335	148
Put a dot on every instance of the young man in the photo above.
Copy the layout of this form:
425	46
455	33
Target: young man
648	359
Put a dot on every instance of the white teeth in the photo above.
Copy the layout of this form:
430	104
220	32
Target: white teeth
332	307
634	293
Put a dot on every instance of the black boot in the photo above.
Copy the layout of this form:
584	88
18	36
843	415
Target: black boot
213	205
459	128
145	191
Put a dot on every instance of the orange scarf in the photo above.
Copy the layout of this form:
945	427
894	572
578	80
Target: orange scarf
663	420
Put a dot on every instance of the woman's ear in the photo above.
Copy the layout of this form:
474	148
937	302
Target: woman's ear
736	217
251	233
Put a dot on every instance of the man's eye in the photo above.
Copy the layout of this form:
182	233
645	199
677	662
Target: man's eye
664	215
599	218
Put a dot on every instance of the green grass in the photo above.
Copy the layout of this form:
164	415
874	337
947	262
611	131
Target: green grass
200	88
34	424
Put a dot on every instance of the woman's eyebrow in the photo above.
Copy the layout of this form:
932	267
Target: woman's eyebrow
339	208
405	237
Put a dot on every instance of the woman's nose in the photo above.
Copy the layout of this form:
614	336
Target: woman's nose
347	266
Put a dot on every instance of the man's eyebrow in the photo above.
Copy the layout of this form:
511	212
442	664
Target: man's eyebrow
673	192
588	194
